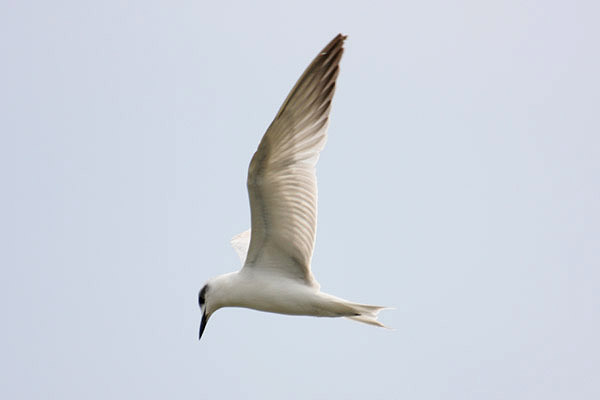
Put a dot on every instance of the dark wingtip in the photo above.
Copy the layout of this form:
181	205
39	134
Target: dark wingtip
337	41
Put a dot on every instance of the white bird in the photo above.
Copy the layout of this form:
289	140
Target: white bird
282	186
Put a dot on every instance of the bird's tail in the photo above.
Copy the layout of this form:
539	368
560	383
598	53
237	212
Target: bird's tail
366	314
331	306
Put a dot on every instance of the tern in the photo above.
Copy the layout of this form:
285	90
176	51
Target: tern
276	251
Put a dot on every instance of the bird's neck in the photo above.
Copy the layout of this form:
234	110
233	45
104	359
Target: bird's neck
225	289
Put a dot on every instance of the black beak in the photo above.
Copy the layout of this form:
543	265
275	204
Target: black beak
203	324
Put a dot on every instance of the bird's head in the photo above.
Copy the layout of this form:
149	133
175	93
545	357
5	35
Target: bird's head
218	292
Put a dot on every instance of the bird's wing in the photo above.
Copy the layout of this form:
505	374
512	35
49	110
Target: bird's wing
240	244
282	184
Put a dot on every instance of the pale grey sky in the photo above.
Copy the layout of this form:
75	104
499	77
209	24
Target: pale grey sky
460	184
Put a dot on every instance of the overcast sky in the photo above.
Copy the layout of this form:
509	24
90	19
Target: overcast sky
460	184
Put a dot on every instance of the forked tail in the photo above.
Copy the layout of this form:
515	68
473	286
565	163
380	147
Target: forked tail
332	306
367	314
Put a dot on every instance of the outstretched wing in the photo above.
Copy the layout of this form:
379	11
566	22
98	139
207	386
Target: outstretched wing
282	184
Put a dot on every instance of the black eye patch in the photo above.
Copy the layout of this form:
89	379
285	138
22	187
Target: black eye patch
201	295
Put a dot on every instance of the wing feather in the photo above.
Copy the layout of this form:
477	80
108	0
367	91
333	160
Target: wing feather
282	184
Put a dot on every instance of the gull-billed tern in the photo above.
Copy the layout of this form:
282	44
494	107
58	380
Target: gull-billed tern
276	252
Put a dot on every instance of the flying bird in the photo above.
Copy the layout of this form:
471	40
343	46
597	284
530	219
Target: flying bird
276	252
